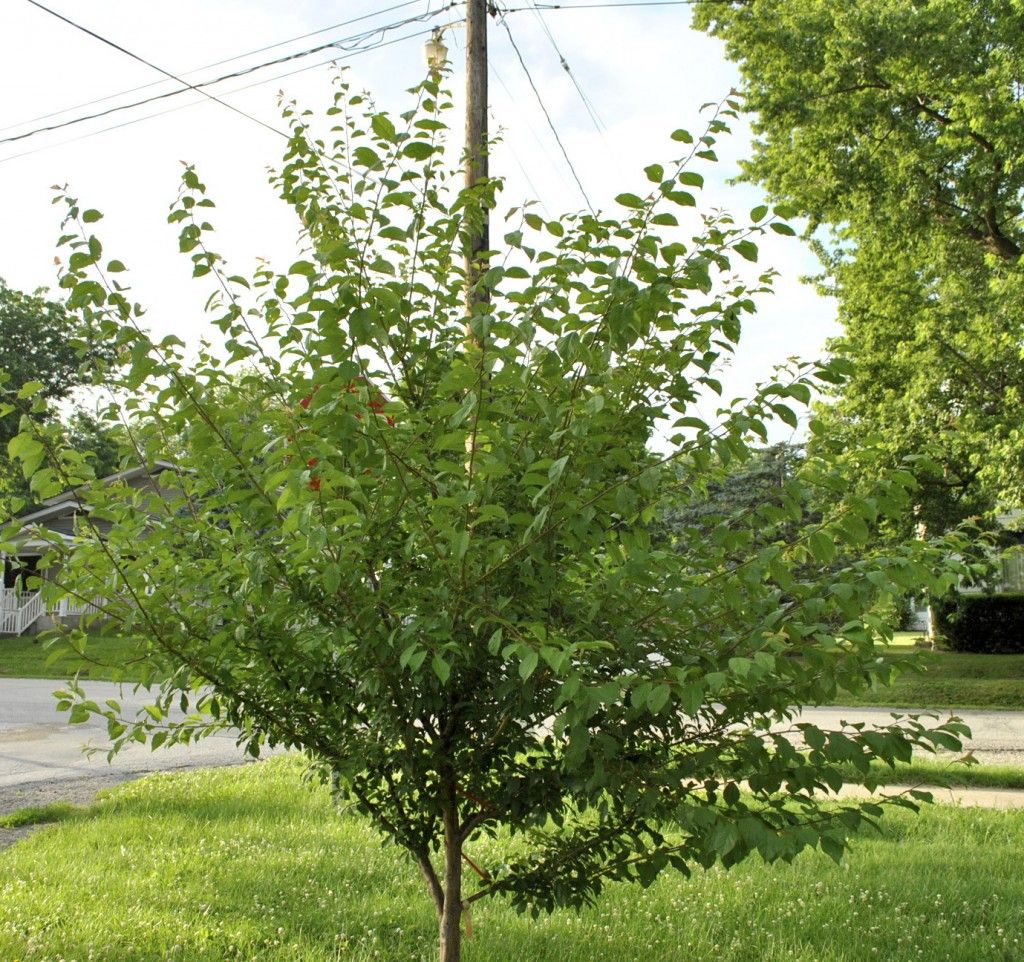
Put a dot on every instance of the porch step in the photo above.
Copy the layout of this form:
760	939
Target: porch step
18	612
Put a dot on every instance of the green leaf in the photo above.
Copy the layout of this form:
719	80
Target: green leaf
681	197
384	128
332	578
786	414
556	469
419	150
464	410
30	389
364	156
740	666
658	698
494	642
441	668
528	660
631	201
460	544
655	173
822	547
91	216
746	249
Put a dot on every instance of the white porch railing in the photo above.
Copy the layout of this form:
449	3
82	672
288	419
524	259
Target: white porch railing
20	609
71	608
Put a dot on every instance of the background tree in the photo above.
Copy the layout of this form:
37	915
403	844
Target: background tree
414	543
897	125
40	341
106	444
742	488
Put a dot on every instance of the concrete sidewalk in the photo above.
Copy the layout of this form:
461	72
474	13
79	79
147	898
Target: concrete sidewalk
1001	798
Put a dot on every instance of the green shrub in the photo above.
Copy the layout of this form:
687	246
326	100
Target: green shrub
986	624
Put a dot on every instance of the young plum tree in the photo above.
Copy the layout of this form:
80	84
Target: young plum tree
414	543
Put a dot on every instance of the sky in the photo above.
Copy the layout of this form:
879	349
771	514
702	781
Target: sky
643	71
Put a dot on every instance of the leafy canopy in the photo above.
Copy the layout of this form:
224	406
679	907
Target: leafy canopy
897	125
416	544
41	343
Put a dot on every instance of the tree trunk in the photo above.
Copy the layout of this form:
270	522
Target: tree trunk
451	911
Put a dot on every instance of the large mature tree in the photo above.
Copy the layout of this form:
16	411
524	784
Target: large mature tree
42	342
413	542
898	126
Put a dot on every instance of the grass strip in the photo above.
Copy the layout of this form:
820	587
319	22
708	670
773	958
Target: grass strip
947	775
39	815
250	863
951	680
109	659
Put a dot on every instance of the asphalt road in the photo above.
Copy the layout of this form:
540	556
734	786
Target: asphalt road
41	757
997	737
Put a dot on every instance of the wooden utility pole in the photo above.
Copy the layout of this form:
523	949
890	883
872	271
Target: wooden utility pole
477	241
476	141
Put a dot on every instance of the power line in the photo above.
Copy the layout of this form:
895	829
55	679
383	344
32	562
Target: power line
216	63
148	63
591	110
547	116
344	44
258	83
614	4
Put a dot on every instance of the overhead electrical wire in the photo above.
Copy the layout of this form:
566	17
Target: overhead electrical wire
587	103
346	44
536	136
258	83
547	115
148	63
216	63
339	44
615	4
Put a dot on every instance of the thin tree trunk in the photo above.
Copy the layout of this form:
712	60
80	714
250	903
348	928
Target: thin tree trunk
451	912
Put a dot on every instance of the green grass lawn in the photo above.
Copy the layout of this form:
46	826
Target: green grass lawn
943	774
952	680
252	864
26	657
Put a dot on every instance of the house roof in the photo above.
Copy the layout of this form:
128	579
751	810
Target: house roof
37	546
54	511
69	501
126	475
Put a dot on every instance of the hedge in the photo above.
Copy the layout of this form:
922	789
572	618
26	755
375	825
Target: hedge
986	624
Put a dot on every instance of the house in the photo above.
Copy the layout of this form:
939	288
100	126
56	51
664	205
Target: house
1007	576
23	607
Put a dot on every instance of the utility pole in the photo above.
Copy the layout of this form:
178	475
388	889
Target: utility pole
452	908
476	142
